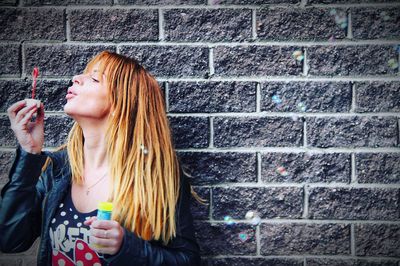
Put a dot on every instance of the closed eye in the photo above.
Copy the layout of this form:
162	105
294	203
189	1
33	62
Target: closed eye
95	80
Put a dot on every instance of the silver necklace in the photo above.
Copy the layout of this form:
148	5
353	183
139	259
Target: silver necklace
98	180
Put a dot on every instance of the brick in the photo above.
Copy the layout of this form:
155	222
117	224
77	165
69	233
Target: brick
6	160
281	24
207	25
6	134
19	24
378	96
200	211
51	93
211	97
304	167
352	132
256	61
271	202
216	239
190	132
375	23
10	56
354	203
299	239
9	2
378	168
56	130
168	61
116	25
350	262
209	168
251	262
10	260
377	240
348	1
251	2
314	96
351	60
61	60
66	2
257	131
161	2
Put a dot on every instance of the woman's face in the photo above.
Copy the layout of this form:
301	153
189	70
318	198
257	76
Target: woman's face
88	96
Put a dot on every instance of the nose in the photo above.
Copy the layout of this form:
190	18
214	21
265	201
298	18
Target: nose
77	79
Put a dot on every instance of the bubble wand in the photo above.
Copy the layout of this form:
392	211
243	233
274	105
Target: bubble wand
35	74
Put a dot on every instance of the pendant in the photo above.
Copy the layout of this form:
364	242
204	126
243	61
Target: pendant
87	192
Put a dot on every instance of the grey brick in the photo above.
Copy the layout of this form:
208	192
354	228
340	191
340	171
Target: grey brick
208	168
313	239
190	132
251	262
378	96
61	60
376	23
161	2
51	93
282	24
354	203
6	160
348	1
378	168
210	97
251	2
165	61
17	24
207	25
351	60
377	240
303	167
256	61
10	57
7	260
6	134
216	239
56	130
314	96
352	132
257	131
200	211
116	25
350	262
271	202
66	2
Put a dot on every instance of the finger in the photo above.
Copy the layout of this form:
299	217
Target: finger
40	113
22	113
104	224
105	250
100	233
14	108
103	242
28	116
90	220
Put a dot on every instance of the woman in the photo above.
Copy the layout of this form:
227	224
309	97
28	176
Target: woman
119	150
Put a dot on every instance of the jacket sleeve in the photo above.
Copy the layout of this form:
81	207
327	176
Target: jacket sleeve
20	203
182	250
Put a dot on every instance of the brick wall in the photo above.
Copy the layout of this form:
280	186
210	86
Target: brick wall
243	101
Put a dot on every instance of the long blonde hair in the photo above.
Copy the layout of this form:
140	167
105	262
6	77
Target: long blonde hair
143	164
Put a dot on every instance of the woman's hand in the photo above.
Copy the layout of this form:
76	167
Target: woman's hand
107	234
30	135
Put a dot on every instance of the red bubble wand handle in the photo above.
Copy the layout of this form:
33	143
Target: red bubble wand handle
35	74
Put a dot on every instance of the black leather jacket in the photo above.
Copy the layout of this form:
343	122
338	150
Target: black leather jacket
29	200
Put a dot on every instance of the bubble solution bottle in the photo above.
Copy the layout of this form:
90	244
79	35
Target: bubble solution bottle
104	210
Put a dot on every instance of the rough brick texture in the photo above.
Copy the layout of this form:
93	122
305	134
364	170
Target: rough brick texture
189	97
298	24
313	96
288	108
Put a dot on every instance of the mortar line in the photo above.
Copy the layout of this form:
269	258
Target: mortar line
67	27
349	25
258	240
353	177
353	97
211	61
259	164
211	121
161	36
167	96
352	240
258	97
306	67
23	65
305	201
253	24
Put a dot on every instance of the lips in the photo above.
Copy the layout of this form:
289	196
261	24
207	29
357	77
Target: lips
70	93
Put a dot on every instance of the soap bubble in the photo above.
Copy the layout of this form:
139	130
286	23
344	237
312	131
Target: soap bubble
393	64
276	99
282	171
298	55
301	106
253	217
385	16
243	236
228	220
